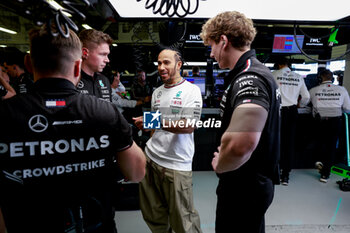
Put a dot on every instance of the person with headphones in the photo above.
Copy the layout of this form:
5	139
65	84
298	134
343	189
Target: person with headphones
329	101
247	158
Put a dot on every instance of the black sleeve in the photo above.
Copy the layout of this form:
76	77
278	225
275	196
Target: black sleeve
3	91
123	130
250	88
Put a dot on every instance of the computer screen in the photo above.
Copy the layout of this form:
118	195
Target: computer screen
286	43
199	82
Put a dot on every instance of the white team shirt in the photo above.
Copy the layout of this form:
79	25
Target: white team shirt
174	151
291	85
329	100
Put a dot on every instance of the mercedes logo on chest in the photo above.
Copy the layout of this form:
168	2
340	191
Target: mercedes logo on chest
38	123
80	84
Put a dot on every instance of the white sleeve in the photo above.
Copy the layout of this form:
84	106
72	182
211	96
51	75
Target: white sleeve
346	104
193	107
305	95
124	103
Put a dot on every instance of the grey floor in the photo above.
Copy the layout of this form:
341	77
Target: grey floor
305	206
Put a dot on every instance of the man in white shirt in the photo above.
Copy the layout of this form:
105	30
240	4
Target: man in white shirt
291	86
166	198
329	101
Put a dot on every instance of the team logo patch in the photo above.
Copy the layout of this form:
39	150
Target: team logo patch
38	123
151	120
178	94
55	103
101	83
80	84
159	94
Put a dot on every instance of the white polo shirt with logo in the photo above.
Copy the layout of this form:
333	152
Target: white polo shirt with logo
167	149
329	100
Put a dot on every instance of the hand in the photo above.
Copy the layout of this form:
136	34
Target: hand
147	99
214	162
138	121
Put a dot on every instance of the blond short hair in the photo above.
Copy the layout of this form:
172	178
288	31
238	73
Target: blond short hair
91	38
236	26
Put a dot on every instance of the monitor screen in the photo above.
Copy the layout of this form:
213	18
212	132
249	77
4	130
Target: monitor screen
286	43
199	82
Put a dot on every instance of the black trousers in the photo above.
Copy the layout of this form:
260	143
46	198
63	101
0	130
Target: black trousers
328	132
242	203
289	116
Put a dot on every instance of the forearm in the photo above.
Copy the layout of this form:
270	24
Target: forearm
133	163
10	91
118	101
236	149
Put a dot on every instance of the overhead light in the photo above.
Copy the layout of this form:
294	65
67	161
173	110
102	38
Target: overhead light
57	6
7	30
3	46
114	45
86	26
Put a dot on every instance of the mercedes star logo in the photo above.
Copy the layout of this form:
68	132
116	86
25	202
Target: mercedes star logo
80	84
38	123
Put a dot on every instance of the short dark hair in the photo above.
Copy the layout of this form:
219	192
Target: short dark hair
195	69
326	74
177	55
50	54
282	61
15	58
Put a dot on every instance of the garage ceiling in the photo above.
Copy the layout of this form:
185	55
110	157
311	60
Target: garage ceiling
134	34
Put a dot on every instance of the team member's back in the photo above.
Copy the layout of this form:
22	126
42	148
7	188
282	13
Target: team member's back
59	149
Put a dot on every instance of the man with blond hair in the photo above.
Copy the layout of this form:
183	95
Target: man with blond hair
95	53
247	158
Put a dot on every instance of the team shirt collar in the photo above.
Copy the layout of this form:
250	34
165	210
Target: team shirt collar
176	84
243	63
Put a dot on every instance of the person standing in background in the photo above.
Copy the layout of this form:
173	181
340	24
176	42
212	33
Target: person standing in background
293	93
329	101
20	80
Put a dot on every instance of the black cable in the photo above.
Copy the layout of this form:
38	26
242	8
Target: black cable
311	58
320	37
172	7
58	19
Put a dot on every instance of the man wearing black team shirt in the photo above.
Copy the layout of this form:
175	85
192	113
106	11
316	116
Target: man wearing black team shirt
20	80
247	159
95	58
57	158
